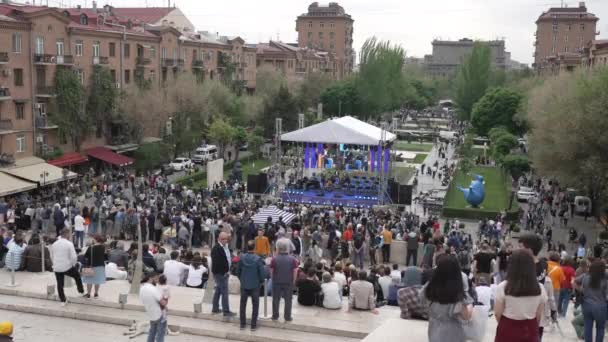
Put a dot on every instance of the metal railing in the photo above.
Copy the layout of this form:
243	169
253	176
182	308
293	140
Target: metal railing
6	124
197	63
53	59
168	62
5	92
143	60
45	90
100	60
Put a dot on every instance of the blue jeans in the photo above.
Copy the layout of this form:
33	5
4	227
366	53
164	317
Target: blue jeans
564	299
79	239
221	289
93	227
594	313
157	330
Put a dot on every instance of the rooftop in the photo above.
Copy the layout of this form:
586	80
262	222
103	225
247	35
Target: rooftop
333	9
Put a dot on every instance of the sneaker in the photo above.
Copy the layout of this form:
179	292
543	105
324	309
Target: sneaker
96	295
275	318
229	314
254	328
63	304
242	327
288	319
215	312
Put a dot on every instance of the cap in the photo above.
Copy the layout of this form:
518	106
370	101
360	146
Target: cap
6	328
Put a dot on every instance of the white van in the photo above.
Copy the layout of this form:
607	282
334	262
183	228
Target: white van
205	154
582	204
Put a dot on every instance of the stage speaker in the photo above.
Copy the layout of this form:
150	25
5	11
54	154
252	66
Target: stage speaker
405	194
257	184
263	179
393	190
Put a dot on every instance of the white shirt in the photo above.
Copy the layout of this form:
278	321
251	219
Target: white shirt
484	294
150	297
79	223
63	255
385	283
396	274
332	295
195	276
340	278
174	270
520	308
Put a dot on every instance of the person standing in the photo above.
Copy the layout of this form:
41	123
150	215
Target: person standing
566	289
412	248
95	257
520	300
296	240
387	237
220	266
154	303
64	263
250	271
594	287
284	268
58	219
79	230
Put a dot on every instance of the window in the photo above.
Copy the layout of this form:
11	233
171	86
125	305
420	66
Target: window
309	35
566	49
554	38
554	27
310	24
321	24
78	48
163	53
569	27
113	75
84	20
566	39
582	27
321	45
553	49
127	50
16	42
332	24
40	45
96	49
152	75
60	47
80	74
332	46
112	49
20	111
21	143
184	54
18	74
174	53
127	76
320	35
332	35
152	52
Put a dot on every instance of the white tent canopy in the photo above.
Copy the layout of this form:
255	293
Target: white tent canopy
344	130
272	211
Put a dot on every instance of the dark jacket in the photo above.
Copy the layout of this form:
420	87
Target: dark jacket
250	271
219	263
6	339
119	257
148	260
95	256
32	259
58	217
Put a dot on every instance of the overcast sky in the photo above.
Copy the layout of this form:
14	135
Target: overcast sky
411	23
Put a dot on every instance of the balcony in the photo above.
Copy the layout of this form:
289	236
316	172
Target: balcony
197	64
142	61
300	70
5	94
44	59
42	122
45	91
3	57
99	60
168	62
6	125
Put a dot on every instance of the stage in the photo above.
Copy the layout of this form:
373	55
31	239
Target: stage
334	198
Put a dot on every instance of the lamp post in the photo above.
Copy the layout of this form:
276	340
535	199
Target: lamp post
43	175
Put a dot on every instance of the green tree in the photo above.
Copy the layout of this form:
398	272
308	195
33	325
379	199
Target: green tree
185	133
473	79
308	92
221	133
239	138
341	98
569	120
498	107
69	114
103	96
503	145
516	165
281	106
255	142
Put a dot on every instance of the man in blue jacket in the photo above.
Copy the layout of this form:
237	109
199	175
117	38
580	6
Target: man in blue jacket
250	271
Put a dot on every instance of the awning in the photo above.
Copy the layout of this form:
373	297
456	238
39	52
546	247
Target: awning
108	156
344	130
68	159
11	185
122	148
41	173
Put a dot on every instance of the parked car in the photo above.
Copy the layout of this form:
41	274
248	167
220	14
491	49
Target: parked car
204	154
166	169
179	164
524	193
244	147
582	205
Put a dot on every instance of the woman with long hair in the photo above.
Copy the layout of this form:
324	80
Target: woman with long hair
520	301
95	257
195	273
447	301
594	287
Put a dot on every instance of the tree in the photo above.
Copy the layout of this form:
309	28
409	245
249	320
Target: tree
239	138
308	92
472	79
69	114
503	145
255	142
568	141
516	165
341	98
222	133
281	106
103	97
497	107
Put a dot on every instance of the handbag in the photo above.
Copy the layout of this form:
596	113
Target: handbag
89	271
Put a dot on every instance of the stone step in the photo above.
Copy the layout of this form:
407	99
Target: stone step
186	325
340	328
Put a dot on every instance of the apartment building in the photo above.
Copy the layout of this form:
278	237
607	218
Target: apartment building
36	40
561	35
294	61
328	28
448	55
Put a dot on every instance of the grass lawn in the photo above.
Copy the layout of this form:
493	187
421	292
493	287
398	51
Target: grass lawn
247	166
403	174
420	158
413	147
497	196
